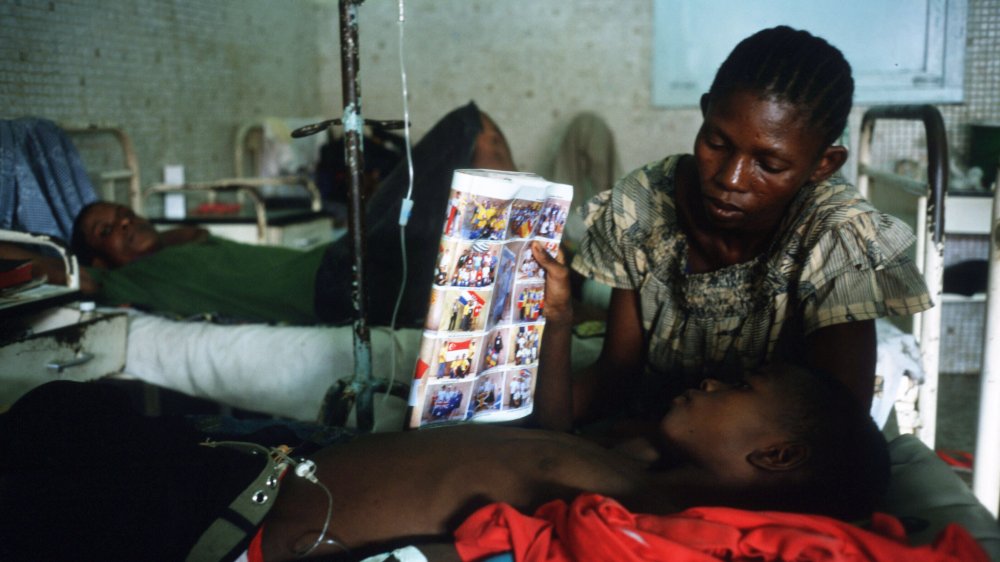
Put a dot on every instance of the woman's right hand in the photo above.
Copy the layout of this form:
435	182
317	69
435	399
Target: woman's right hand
558	307
553	389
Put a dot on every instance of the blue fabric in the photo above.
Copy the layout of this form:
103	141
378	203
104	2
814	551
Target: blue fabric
505	557
43	184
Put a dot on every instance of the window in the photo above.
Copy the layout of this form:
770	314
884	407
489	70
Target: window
901	51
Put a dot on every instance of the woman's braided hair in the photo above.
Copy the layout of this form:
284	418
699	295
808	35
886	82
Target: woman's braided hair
793	66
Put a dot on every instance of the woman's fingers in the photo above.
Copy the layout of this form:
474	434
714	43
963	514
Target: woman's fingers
558	307
553	266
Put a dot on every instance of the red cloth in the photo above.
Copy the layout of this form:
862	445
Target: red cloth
255	552
597	528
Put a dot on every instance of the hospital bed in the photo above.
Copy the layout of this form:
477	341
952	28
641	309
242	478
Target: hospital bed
986	470
921	205
282	209
289	375
922	485
924	491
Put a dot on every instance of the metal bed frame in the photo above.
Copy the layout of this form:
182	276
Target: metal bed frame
930	236
986	467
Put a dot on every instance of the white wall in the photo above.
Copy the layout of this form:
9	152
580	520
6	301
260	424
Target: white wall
530	64
181	75
178	75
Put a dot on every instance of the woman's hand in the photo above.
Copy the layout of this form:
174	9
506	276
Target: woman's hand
558	301
553	389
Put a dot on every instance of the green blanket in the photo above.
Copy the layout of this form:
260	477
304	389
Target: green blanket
243	281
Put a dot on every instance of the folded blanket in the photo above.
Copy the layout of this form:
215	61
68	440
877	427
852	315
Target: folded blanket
44	184
598	528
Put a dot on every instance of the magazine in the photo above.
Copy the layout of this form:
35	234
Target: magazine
479	352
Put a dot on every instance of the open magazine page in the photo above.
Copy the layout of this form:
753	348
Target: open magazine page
479	353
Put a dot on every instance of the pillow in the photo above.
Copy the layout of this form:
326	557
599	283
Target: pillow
926	495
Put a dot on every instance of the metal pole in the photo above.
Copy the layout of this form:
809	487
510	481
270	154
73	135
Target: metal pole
360	387
986	470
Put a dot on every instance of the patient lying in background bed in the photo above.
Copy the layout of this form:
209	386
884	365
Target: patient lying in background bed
185	272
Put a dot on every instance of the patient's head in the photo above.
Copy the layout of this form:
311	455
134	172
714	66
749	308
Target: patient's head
787	437
111	235
491	150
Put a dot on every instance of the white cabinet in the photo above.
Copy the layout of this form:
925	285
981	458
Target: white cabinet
44	336
61	345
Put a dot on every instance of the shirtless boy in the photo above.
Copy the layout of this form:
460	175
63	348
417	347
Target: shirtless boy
784	439
740	446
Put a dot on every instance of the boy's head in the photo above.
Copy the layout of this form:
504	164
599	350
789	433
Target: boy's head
110	235
785	438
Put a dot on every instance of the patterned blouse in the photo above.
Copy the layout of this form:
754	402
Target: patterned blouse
835	259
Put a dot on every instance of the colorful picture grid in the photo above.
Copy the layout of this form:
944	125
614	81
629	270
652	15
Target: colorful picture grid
479	354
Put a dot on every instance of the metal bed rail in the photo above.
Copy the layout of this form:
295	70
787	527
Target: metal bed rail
250	188
930	236
130	170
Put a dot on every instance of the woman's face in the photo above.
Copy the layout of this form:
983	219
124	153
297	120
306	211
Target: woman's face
753	154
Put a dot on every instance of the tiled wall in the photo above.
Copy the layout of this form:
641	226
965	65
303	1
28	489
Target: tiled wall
531	64
178	75
896	141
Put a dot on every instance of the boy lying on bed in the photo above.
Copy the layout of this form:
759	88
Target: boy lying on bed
201	274
82	474
761	445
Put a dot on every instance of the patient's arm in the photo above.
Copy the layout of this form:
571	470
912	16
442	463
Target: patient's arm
183	235
52	267
600	388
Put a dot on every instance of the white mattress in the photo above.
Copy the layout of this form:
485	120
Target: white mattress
280	370
285	371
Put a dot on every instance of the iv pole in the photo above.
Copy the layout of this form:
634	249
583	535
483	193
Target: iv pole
359	391
361	384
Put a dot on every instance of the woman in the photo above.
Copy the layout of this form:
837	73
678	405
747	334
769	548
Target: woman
751	249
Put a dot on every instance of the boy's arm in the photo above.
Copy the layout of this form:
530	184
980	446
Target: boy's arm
52	267
553	389
183	235
599	388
